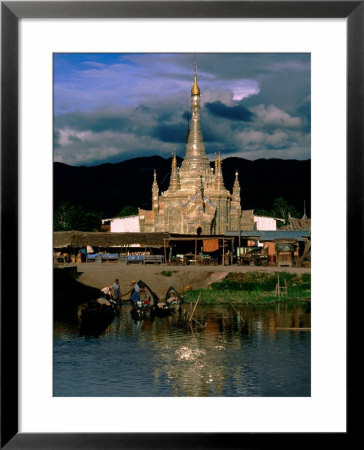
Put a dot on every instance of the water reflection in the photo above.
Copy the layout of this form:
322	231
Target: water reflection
237	352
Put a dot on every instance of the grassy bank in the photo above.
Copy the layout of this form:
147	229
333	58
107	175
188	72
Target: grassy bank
253	288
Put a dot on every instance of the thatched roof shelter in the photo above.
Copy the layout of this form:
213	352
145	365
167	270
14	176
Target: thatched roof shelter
285	241
63	239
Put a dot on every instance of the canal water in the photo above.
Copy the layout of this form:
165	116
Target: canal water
247	351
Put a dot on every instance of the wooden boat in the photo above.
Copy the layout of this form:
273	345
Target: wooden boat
150	304
98	312
171	304
139	310
145	305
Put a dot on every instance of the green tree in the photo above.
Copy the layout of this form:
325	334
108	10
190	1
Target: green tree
263	212
61	220
128	211
282	209
68	217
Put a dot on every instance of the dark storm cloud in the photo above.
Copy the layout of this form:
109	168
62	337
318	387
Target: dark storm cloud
97	121
236	112
284	89
174	133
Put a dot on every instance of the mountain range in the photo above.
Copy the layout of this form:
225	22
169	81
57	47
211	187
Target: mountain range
110	187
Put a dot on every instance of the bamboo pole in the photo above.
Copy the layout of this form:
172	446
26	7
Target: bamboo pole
199	323
126	293
194	308
278	287
165	252
223	252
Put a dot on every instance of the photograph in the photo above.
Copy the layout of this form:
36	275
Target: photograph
162	163
181	224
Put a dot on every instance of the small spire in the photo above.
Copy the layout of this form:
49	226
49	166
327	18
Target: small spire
155	186
195	88
219	180
304	217
174	183
155	193
218	160
236	186
174	160
236	200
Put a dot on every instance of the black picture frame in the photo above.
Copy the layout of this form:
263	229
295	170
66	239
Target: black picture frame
11	12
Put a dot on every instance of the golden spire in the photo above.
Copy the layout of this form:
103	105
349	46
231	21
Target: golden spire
155	193
195	88
236	181
218	158
219	180
174	160
174	183
236	189
196	161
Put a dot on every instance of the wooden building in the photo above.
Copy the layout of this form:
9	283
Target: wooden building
164	247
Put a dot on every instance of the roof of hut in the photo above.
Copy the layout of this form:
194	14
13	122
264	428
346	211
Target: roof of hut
297	224
62	239
271	235
285	241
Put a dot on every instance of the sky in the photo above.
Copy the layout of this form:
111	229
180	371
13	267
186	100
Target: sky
112	107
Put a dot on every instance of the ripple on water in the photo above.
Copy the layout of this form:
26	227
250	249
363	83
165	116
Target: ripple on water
189	354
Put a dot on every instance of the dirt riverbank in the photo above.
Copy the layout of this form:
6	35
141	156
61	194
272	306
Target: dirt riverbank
100	275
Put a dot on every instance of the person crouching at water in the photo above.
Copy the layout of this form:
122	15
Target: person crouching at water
107	292
135	295
116	290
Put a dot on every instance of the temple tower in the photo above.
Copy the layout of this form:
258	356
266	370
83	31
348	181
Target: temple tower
235	213
155	194
196	162
174	183
196	201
